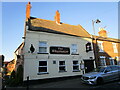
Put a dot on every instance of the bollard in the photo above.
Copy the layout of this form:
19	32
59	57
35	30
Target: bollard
3	84
27	82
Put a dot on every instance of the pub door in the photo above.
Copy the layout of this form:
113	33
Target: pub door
89	65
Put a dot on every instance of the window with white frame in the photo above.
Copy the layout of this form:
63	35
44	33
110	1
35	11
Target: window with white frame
115	47
42	67
62	66
42	47
118	60
74	49
100	46
102	61
75	65
112	61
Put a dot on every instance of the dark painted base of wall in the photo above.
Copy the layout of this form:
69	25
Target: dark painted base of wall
42	81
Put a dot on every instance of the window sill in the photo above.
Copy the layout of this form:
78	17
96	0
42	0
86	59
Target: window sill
74	54
41	53
41	73
76	70
62	71
102	51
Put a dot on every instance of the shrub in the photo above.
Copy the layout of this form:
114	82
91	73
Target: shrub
16	78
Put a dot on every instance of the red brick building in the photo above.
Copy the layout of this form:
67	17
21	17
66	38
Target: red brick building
106	49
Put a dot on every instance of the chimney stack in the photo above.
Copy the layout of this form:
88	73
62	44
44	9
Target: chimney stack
57	17
28	7
102	32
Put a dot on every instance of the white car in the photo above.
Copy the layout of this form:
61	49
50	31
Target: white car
102	74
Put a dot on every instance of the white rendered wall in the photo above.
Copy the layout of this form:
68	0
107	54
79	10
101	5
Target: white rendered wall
31	61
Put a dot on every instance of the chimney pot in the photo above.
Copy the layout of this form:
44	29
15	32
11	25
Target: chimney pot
28	7
57	17
102	32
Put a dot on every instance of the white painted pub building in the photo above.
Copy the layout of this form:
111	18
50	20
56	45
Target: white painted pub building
54	49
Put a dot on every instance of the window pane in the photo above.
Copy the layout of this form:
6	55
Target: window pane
62	68
111	62
102	62
42	63
74	48
100	46
61	62
42	69
75	62
75	67
115	48
43	44
42	49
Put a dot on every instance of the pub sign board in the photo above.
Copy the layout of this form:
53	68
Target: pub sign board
59	50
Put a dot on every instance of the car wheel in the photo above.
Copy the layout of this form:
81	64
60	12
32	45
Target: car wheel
99	81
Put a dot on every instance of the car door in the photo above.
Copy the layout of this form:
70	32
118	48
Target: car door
107	74
115	73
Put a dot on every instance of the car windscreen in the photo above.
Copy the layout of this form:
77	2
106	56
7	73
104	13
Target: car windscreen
99	69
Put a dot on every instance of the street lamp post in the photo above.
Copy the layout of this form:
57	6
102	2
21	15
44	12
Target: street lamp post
93	26
96	21
94	38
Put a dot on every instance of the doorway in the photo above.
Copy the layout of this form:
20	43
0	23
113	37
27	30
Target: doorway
89	65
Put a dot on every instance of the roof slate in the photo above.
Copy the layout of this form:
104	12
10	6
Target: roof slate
47	25
37	24
106	39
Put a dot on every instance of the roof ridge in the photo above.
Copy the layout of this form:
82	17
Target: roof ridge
44	19
54	21
105	37
114	38
70	24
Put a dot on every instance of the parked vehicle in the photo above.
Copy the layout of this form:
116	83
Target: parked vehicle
102	74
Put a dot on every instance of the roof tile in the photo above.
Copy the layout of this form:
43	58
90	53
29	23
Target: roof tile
76	30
